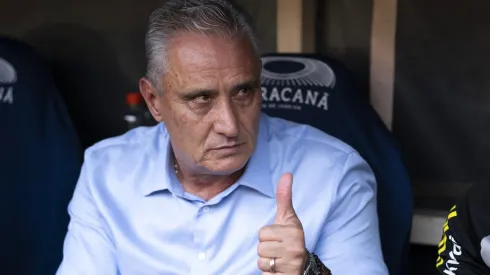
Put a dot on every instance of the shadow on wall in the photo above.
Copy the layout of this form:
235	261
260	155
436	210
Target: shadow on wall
89	76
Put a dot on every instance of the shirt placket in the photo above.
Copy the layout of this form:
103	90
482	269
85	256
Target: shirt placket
202	252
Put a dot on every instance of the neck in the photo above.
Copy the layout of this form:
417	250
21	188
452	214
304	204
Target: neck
205	186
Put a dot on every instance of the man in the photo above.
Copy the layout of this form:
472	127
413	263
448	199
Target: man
465	245
210	190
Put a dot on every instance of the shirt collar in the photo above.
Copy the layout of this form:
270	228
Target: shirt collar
158	165
258	174
161	175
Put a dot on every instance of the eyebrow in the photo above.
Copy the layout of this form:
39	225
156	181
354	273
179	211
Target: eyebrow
254	83
189	95
196	93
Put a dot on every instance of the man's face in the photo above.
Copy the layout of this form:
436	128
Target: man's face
211	102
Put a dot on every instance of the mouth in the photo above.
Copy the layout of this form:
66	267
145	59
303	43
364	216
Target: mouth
228	147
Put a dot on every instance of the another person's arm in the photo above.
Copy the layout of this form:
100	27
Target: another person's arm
88	250
350	242
462	245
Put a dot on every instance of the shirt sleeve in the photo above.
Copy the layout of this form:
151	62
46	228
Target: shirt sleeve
88	249
459	251
350	242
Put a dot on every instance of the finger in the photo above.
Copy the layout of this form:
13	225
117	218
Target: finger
284	198
272	233
270	250
264	265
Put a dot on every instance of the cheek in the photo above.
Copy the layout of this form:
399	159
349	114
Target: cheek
174	114
177	123
249	119
192	133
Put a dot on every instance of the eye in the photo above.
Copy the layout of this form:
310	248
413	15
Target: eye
244	92
202	99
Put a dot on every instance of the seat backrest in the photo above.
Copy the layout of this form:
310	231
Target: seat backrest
319	91
40	159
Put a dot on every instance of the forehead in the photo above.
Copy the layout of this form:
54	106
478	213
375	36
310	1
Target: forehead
206	58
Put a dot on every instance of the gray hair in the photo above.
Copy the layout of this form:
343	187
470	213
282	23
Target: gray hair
221	17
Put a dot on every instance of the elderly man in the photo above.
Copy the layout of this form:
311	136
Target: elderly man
210	190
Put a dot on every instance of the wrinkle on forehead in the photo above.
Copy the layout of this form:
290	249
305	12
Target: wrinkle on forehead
196	59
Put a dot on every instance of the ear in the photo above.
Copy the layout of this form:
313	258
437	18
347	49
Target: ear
152	98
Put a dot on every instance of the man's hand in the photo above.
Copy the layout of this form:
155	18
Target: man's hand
284	240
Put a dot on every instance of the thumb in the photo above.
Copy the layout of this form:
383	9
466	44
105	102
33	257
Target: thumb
284	199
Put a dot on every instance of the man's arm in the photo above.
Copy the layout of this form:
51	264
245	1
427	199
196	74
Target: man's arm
88	250
350	241
467	224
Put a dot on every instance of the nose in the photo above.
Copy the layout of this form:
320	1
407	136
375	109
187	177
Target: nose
226	122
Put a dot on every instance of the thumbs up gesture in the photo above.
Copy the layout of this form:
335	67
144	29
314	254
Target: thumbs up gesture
281	246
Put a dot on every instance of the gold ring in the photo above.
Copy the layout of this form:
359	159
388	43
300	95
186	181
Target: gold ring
272	264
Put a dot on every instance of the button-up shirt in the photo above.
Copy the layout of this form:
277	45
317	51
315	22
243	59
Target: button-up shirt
130	215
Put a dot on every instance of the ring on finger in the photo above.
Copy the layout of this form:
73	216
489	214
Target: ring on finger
272	265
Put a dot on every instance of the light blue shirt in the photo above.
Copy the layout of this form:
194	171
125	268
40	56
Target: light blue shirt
130	215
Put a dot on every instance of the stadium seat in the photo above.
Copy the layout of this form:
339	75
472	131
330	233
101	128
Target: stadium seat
40	159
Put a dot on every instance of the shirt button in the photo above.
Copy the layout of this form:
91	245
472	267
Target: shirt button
202	256
205	209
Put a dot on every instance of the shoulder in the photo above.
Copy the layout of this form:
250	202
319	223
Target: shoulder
304	137
304	143
120	164
313	156
124	145
116	159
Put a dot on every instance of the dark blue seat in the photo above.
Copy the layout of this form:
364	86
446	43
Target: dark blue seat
319	91
40	159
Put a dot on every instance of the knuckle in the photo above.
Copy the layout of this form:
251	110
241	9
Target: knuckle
261	265
263	232
260	249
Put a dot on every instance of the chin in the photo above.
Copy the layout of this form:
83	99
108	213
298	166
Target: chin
229	165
